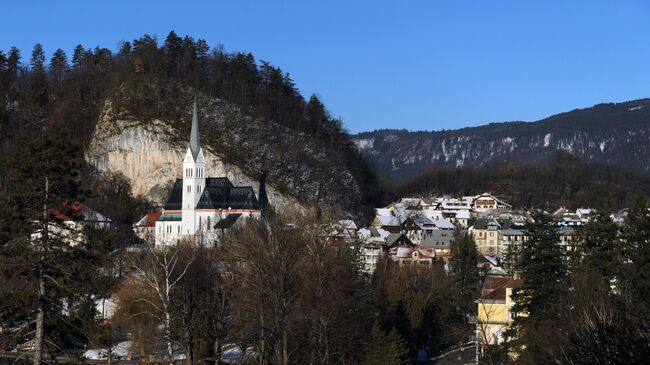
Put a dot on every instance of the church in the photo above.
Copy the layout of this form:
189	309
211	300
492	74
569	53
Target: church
201	208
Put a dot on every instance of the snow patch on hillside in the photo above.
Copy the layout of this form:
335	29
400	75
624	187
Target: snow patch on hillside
547	139
365	144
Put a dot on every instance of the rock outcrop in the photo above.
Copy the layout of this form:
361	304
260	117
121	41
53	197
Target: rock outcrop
150	156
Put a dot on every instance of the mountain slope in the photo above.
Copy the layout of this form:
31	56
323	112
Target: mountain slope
614	133
129	109
149	150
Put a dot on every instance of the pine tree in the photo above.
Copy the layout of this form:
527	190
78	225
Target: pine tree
58	65
45	261
38	59
464	262
543	270
385	349
634	282
13	62
598	248
78	56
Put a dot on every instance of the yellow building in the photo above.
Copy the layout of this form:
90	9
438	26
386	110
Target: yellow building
487	236
494	310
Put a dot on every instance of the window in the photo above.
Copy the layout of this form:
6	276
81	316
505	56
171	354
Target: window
209	226
189	188
179	229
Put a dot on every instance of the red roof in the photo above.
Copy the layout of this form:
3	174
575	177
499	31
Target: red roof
494	287
75	208
149	220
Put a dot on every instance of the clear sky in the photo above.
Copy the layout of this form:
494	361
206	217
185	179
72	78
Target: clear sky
390	64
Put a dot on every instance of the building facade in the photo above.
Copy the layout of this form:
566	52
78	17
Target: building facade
201	208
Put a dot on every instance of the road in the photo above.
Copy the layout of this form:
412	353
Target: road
462	356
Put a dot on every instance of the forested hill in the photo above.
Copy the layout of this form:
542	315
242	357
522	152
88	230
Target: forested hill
252	114
615	133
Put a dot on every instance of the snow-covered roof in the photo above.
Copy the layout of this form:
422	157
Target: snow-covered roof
383	211
373	234
462	214
443	224
348	224
404	252
454	204
432	214
388	220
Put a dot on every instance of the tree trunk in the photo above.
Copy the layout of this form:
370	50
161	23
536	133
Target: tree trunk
285	352
40	311
216	349
188	334
168	335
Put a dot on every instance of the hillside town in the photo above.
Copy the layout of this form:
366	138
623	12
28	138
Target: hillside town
408	234
401	190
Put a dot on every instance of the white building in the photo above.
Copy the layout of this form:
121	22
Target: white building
201	208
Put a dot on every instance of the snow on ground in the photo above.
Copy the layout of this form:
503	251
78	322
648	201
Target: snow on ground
120	351
232	354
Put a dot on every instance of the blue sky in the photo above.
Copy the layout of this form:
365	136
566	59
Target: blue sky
390	64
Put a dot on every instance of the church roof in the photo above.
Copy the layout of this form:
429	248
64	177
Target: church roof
175	200
219	193
195	145
227	222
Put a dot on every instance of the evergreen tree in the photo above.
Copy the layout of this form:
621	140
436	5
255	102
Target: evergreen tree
38	59
78	56
597	247
173	49
58	65
385	349
464	262
316	115
47	265
634	283
543	270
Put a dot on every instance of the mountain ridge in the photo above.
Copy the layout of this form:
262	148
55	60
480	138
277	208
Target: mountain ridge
615	133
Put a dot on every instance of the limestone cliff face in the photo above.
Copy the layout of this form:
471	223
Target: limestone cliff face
147	154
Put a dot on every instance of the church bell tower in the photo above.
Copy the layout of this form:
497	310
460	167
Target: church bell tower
193	177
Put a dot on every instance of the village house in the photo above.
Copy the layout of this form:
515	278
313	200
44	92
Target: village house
487	235
440	241
376	243
494	309
486	201
145	228
73	220
412	256
388	222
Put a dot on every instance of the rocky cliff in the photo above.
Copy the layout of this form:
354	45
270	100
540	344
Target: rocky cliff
613	133
149	151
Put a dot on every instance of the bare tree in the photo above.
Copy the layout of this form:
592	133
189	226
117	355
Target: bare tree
265	267
159	269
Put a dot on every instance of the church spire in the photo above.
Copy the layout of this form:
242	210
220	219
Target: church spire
195	145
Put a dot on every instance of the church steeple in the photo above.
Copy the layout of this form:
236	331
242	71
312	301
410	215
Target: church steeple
195	145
